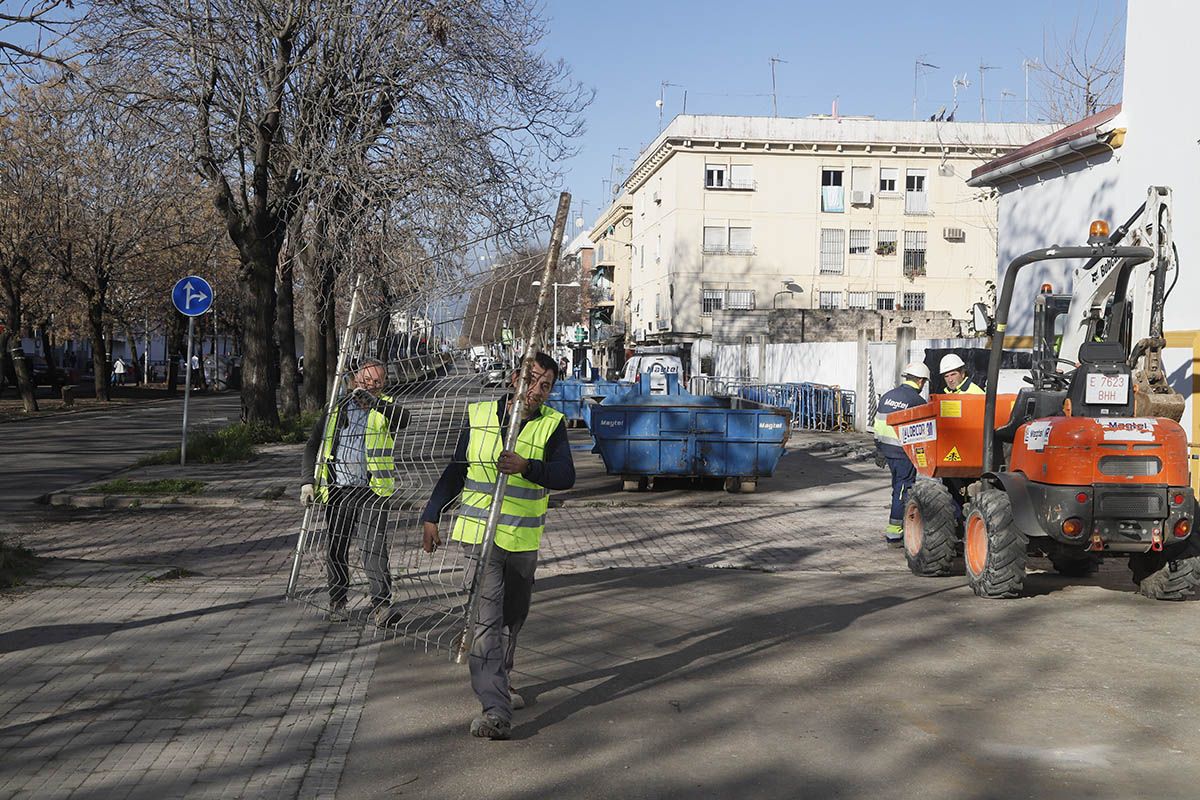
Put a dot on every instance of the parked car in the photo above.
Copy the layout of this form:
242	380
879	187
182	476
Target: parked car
658	365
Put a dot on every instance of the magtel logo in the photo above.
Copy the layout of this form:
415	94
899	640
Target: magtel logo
611	423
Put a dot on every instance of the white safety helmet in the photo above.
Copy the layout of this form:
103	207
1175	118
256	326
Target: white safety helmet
951	363
916	369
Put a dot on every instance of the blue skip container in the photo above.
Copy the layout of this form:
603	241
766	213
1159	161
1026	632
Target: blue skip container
574	398
642	436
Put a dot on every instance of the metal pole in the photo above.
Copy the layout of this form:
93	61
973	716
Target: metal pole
554	336
467	637
302	539
146	353
187	390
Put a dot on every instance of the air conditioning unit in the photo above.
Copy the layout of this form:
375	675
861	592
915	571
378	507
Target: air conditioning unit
954	234
860	198
662	324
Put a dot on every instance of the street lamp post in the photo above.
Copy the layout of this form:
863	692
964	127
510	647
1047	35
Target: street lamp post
789	288
556	285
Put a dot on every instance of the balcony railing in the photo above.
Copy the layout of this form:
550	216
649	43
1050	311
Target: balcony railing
738	185
723	250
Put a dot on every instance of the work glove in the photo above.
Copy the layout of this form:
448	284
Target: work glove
306	495
880	459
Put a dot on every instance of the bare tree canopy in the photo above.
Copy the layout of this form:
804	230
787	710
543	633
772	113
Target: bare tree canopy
34	33
1082	73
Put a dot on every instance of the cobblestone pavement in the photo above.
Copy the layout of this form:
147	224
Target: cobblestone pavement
127	676
156	656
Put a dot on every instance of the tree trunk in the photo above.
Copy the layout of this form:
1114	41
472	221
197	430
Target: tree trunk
100	365
315	368
11	342
134	367
258	322
285	332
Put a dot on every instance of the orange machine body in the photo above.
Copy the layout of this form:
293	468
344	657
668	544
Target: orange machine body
944	437
1081	451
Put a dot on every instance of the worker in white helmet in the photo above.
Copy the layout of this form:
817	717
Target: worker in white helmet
908	394
954	373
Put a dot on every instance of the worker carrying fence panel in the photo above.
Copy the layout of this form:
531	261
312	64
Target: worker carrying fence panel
887	443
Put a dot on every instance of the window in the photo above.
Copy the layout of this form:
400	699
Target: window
833	195
885	243
833	251
860	300
741	176
714	176
916	200
830	300
860	242
860	179
714	238
740	242
657	306
887	180
914	253
741	299
711	300
885	301
914	301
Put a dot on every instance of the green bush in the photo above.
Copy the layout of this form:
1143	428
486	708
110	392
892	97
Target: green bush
236	442
16	563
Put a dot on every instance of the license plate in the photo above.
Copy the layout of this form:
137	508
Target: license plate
1107	390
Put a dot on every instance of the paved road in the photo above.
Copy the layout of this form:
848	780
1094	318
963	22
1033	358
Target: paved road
43	455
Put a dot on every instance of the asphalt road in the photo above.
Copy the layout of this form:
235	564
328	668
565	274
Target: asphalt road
39	456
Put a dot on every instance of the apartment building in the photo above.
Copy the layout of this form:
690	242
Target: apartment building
608	286
817	212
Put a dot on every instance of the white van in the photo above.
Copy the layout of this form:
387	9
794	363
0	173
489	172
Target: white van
659	365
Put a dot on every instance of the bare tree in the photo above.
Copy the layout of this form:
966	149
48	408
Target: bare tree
1082	73
36	33
362	115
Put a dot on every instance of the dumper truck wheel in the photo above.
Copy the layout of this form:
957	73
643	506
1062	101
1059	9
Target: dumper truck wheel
1160	577
993	549
930	529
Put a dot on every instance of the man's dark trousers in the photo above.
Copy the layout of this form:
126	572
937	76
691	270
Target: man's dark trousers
507	589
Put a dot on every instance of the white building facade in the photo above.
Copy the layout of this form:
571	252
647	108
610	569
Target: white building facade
819	212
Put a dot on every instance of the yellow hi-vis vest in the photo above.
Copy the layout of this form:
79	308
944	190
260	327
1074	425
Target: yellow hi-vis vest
378	446
523	513
972	388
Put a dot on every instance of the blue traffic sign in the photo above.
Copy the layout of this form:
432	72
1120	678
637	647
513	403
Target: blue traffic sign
192	296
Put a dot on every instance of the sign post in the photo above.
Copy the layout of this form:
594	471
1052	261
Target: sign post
192	296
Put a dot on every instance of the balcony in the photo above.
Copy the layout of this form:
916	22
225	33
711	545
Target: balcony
723	250
601	293
734	185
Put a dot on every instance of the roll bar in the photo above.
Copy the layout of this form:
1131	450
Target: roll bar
1096	253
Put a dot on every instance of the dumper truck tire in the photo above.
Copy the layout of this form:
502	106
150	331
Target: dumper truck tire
994	551
930	529
1160	577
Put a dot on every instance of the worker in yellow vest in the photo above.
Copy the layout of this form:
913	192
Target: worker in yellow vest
954	373
349	468
540	462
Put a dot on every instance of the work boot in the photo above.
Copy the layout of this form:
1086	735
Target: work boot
337	611
893	535
490	726
518	702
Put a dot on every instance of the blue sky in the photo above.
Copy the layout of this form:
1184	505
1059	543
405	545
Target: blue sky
863	53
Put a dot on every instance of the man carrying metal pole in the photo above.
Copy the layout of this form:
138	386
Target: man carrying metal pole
541	461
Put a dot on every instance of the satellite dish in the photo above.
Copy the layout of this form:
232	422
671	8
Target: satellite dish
658	103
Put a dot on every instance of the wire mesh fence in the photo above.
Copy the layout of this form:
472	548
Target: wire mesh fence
814	406
422	342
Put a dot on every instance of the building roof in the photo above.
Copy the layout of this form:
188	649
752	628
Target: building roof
958	139
580	242
1078	138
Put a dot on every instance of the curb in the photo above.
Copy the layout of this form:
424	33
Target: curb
142	502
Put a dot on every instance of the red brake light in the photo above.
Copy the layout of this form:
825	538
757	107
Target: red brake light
1073	527
1082	497
1178	499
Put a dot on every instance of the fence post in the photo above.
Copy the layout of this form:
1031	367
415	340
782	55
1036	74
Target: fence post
904	340
862	384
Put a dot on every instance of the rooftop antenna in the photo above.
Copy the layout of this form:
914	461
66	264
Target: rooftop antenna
662	93
920	67
1003	94
1028	64
959	82
983	68
774	107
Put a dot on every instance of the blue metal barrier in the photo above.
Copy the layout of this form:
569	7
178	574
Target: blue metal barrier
813	406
